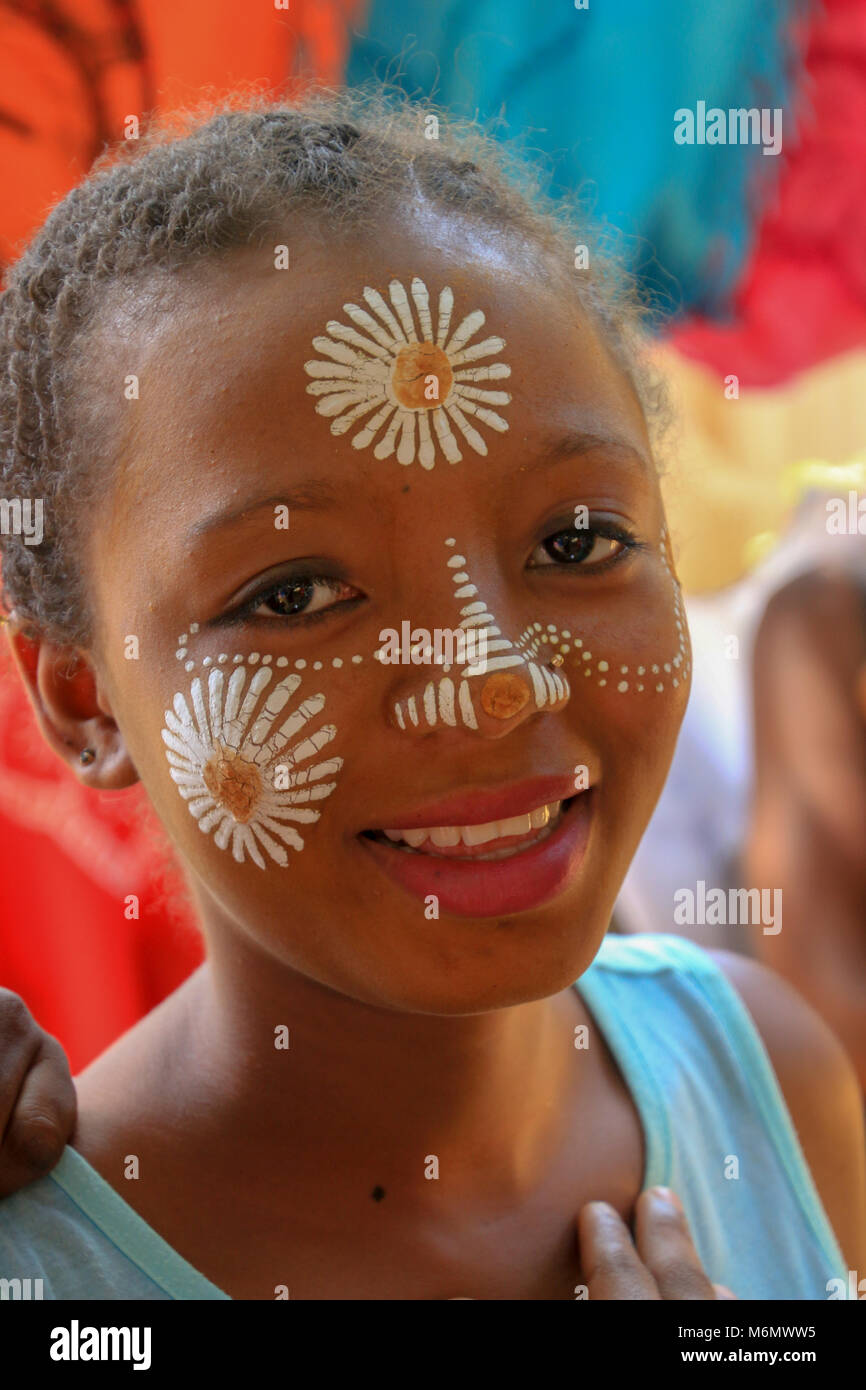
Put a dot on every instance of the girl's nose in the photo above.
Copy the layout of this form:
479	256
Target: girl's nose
488	701
489	686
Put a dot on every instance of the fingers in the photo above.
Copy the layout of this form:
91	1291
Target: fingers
611	1266
661	1262
37	1097
19	1043
664	1244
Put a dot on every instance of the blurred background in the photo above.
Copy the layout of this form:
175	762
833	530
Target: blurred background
757	264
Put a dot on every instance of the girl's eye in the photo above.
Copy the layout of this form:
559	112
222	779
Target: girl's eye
590	547
306	596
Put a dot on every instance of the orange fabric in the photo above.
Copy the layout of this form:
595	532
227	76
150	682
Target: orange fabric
70	859
73	72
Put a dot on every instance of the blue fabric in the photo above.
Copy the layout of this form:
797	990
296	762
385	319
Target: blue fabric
705	1091
76	1234
596	90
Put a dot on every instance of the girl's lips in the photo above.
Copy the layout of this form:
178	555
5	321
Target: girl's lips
478	805
469	887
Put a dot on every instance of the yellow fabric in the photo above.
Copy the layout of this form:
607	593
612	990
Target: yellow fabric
735	468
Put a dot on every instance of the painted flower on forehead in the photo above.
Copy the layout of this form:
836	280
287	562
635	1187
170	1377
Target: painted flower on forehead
237	761
420	383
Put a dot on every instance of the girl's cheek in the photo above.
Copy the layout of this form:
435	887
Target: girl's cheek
647	655
250	747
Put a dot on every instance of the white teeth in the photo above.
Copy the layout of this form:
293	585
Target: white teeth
446	836
480	834
516	825
415	837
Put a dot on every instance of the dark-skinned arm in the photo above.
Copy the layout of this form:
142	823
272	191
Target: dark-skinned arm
37	1097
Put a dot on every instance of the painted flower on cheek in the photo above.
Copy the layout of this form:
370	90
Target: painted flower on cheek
237	762
410	373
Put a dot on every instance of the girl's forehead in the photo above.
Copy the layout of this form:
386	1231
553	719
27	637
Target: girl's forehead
339	339
373	375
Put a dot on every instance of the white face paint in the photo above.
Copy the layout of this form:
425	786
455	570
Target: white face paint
446	701
407	369
655	677
238	763
499	695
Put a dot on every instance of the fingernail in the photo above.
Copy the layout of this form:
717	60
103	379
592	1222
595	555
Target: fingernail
667	1194
599	1205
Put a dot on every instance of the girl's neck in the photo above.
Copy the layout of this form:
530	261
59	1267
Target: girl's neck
289	1061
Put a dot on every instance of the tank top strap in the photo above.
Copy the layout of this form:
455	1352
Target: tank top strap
716	1126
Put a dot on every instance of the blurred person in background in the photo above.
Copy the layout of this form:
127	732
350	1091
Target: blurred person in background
807	822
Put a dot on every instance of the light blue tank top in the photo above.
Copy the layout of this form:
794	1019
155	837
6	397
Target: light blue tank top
716	1130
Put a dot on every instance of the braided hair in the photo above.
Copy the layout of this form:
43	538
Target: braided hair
200	188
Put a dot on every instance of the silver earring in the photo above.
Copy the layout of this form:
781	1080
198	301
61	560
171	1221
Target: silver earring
87	755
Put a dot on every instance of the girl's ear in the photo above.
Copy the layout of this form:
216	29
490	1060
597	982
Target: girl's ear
72	710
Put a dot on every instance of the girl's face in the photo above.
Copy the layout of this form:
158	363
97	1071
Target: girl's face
342	458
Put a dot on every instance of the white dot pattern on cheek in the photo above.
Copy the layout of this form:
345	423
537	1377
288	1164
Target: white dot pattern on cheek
237	762
677	668
253	657
396	362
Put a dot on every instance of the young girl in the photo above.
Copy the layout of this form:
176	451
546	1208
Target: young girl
355	554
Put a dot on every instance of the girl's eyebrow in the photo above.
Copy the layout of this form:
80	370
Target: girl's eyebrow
574	443
316	495
308	496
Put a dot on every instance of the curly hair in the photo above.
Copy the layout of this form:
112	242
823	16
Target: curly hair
201	187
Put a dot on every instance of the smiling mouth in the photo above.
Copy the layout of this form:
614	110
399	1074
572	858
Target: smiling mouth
498	839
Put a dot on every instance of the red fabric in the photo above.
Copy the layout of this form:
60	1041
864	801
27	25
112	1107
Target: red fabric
802	299
70	74
86	972
72	861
